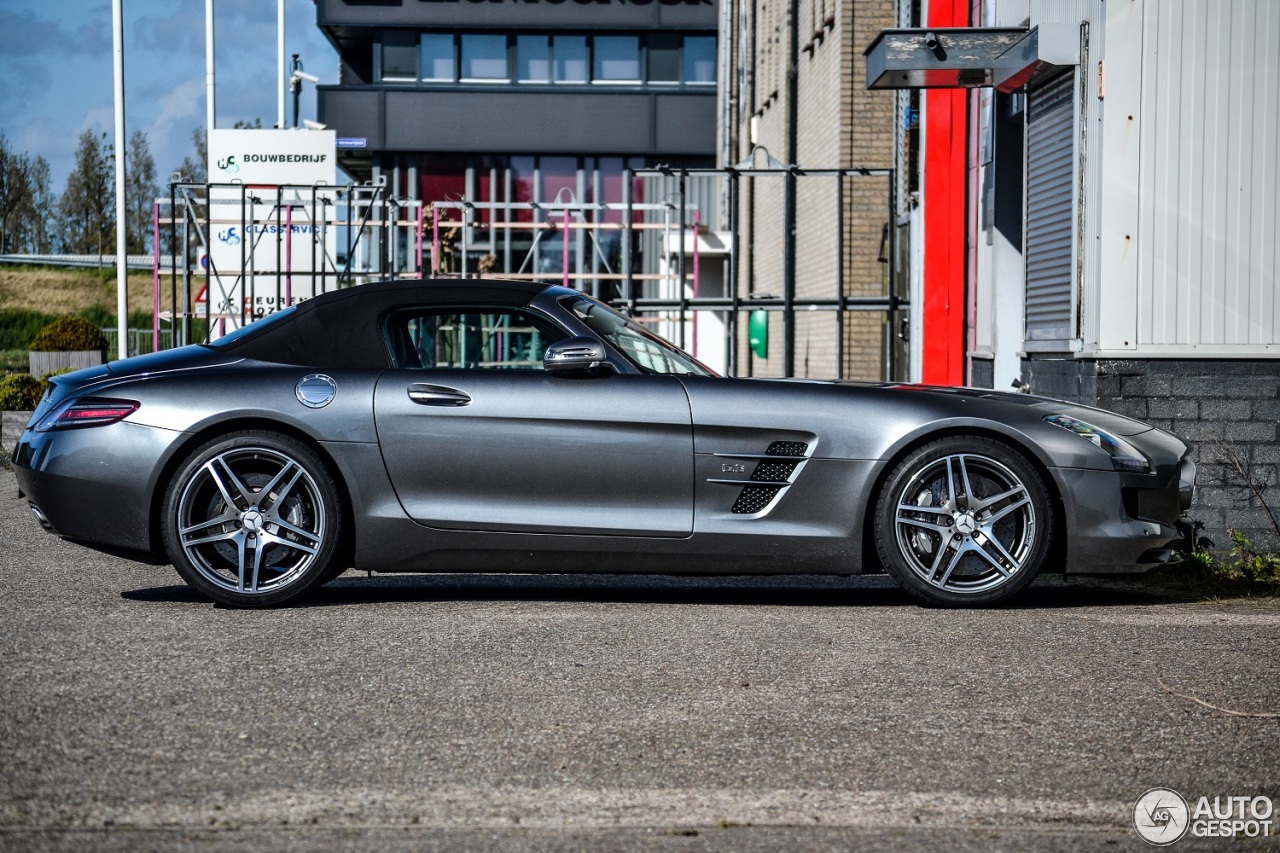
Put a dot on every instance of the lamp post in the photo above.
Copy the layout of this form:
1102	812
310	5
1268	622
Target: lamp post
122	261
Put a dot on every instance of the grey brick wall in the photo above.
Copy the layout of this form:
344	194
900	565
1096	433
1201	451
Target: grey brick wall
1227	410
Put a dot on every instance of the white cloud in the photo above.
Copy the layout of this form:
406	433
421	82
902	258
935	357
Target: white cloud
180	110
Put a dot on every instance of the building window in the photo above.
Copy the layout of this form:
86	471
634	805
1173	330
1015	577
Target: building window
617	59
664	59
570	59
484	59
438	58
399	56
435	57
533	59
700	60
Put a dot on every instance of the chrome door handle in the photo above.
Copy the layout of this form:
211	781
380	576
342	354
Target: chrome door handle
437	395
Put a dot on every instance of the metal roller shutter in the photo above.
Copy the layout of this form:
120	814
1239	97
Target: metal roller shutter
1050	222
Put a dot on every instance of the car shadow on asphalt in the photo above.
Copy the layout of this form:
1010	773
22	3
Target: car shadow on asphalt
777	591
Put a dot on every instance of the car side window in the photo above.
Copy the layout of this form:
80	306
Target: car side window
469	338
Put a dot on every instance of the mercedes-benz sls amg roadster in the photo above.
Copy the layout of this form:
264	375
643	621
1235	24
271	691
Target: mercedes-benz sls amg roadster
489	426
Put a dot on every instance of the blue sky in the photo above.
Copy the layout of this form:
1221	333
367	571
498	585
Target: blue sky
56	64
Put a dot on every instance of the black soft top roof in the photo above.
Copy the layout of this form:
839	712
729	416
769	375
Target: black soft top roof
341	329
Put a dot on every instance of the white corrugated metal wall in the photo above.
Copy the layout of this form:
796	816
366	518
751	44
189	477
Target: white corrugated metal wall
1178	223
1209	176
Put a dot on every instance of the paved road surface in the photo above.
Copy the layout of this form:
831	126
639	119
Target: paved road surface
562	713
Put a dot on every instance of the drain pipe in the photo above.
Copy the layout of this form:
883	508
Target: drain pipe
727	99
789	198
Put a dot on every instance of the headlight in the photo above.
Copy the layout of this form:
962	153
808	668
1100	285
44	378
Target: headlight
1124	456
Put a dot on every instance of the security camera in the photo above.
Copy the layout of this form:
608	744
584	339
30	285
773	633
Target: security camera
302	75
314	125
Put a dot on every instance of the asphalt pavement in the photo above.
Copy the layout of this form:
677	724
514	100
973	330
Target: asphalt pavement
504	712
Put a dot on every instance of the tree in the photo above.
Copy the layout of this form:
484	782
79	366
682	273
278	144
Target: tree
140	192
24	201
85	210
15	191
37	231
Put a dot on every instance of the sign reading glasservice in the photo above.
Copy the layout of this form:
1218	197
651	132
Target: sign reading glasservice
269	233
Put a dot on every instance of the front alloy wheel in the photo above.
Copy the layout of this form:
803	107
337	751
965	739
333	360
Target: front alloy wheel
964	521
253	519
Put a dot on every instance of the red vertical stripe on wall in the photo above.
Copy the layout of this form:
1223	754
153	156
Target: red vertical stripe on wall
946	138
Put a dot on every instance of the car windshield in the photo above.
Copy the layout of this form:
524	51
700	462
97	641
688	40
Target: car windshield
256	326
641	347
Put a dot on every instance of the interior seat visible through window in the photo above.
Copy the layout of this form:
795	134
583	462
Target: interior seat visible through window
469	338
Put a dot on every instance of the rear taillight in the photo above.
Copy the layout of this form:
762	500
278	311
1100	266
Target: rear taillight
86	412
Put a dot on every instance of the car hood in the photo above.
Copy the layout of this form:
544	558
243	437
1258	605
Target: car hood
1109	421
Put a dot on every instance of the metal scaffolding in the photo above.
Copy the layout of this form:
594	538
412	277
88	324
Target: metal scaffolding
255	249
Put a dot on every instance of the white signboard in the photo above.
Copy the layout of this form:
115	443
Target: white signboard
272	157
270	235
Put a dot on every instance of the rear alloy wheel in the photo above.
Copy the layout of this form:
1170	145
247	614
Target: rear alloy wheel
964	521
253	520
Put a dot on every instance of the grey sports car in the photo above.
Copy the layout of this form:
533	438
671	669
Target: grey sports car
447	426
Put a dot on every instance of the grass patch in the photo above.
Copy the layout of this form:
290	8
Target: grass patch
1242	567
56	291
1242	572
1201	576
14	360
33	296
19	325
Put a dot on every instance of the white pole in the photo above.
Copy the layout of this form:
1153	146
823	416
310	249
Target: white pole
209	77
283	83
122	267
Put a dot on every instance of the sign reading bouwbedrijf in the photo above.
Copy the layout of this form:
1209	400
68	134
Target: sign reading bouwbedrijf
268	238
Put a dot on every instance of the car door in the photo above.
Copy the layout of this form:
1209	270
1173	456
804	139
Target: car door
477	436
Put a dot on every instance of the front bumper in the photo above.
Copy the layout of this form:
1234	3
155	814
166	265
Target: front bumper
1123	523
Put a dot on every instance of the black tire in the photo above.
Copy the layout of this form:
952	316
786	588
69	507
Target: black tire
336	570
254	519
964	522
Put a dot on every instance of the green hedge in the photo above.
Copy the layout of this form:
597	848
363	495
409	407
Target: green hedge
69	334
18	326
20	392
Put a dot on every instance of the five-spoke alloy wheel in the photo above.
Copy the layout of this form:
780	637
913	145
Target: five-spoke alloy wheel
253	520
964	521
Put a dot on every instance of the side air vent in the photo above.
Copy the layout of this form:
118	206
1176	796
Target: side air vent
753	499
773	470
787	448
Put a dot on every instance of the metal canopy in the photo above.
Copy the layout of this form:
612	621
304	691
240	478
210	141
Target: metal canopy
1007	58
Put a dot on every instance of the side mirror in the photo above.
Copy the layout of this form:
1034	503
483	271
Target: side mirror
574	354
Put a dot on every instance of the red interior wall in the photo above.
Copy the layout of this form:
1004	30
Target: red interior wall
945	147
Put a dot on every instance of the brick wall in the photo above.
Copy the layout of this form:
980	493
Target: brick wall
1227	410
840	124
